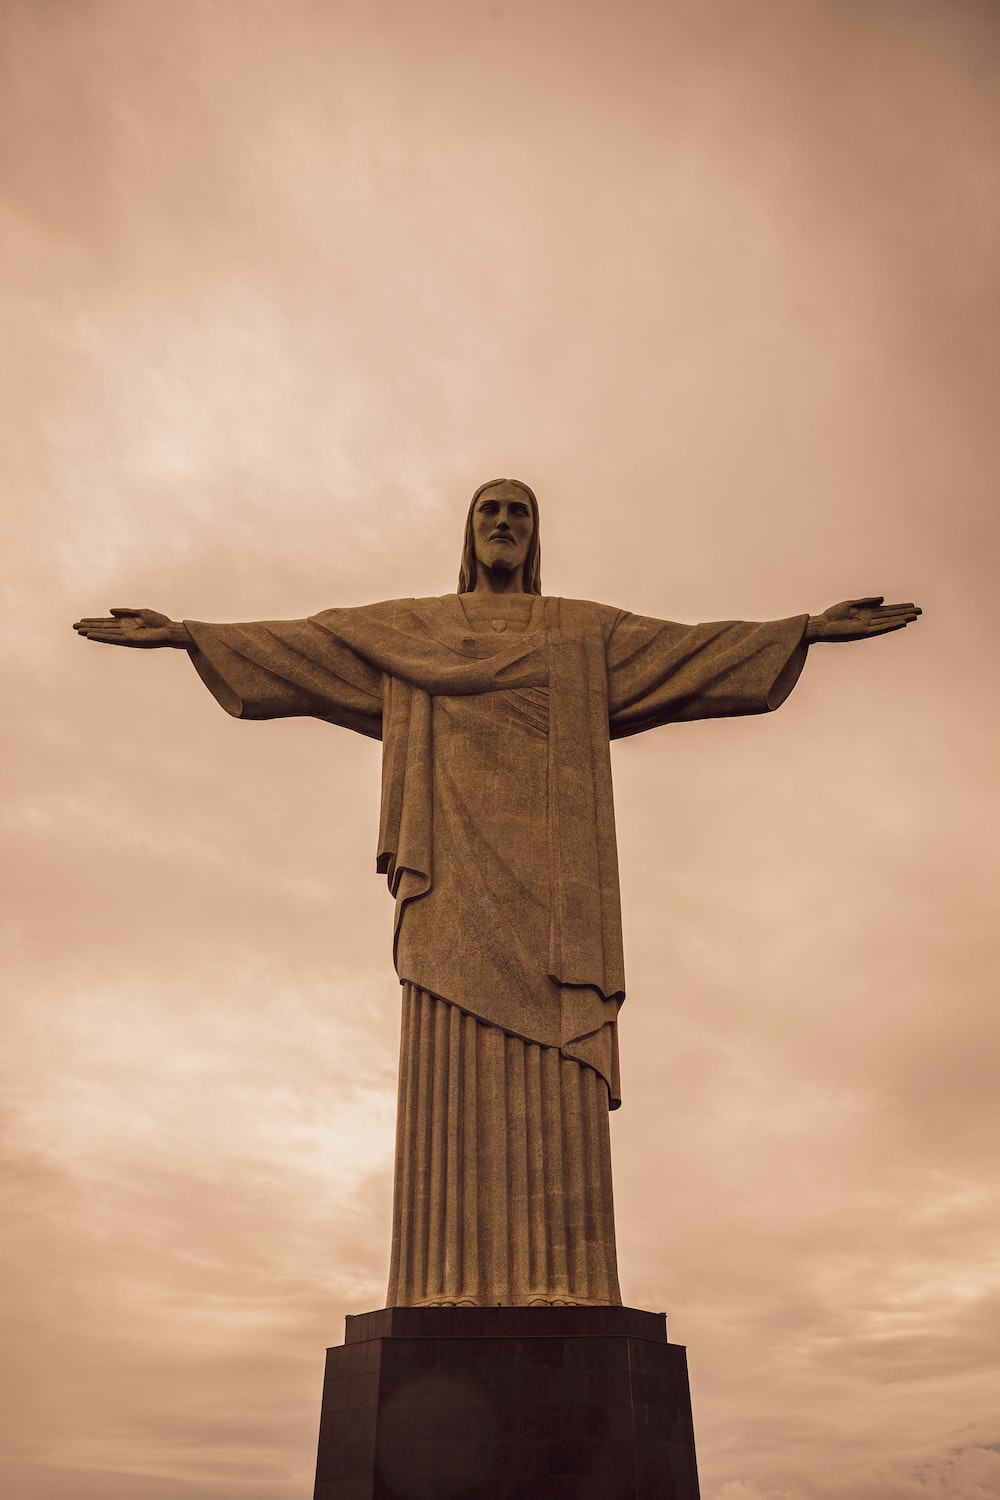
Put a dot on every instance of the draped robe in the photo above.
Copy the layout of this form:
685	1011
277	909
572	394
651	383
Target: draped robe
497	838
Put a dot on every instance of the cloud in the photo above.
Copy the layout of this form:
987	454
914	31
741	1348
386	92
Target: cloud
277	297
970	1474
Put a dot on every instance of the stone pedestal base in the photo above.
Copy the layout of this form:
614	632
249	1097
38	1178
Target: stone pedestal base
506	1403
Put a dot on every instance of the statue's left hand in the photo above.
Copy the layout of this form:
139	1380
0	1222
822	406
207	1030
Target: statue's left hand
857	619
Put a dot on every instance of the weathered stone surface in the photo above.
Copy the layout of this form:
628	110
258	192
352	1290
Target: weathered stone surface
498	840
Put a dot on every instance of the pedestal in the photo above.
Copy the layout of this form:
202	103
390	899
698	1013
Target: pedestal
506	1403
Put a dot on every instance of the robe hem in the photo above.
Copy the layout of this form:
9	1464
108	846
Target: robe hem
533	1041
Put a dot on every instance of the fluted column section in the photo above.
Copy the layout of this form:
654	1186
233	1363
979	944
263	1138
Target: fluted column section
503	1168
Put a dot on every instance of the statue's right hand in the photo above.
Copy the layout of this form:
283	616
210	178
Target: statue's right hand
142	628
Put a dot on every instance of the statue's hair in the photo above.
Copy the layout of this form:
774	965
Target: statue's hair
533	561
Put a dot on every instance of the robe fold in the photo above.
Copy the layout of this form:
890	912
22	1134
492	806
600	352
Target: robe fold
497	838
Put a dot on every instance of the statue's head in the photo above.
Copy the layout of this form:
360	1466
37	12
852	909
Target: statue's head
495	491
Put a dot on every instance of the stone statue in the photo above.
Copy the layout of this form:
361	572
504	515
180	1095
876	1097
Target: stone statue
495	707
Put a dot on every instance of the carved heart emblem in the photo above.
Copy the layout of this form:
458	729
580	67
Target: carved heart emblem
498	625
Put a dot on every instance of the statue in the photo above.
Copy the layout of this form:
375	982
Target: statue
495	706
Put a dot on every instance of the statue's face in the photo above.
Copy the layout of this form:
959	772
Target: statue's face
502	525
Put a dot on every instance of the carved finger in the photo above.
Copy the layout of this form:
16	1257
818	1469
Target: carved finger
136	613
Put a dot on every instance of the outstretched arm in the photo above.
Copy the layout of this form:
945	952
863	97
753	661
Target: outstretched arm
145	629
261	669
857	619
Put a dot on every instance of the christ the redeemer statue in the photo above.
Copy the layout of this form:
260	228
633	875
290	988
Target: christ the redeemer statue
495	707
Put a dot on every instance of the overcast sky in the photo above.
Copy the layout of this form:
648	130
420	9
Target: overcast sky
282	283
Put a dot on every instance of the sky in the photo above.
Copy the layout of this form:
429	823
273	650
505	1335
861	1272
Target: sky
282	284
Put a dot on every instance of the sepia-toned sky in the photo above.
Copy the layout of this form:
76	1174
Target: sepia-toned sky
283	281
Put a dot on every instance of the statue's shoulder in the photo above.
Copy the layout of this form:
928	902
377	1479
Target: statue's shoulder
380	609
588	605
587	616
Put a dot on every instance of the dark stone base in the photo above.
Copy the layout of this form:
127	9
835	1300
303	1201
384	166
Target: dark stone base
506	1403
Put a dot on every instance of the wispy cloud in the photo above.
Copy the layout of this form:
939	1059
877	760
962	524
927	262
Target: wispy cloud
279	291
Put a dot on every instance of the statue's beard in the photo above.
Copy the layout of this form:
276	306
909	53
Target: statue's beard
502	558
